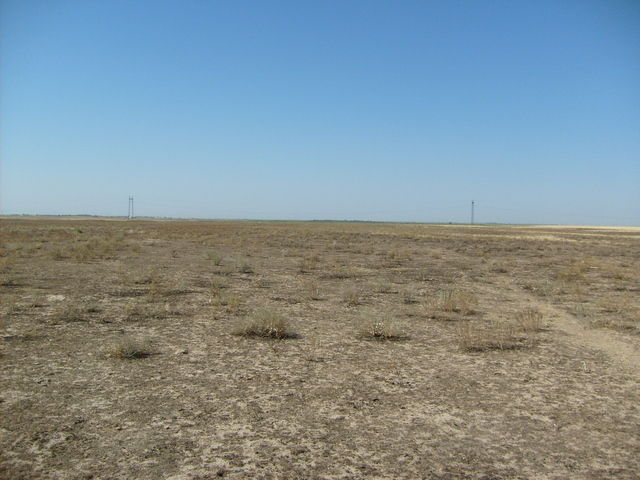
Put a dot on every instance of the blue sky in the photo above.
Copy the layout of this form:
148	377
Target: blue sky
391	110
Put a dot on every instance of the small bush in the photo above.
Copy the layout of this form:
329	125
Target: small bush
265	323
381	327
351	296
231	302
97	248
161	288
70	313
451	301
474	338
424	276
409	296
138	311
216	289
214	256
147	278
60	254
341	272
575	271
313	290
397	257
30	334
385	287
529	320
9	304
6	264
245	267
129	348
308	264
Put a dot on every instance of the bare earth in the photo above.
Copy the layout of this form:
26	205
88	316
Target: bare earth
460	390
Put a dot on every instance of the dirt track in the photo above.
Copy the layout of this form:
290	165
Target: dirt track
327	404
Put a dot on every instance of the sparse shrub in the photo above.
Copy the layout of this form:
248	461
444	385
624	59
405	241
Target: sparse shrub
351	296
616	272
245	267
385	287
232	302
313	290
70	313
265	323
529	320
30	334
146	278
137	311
60	254
92	308
165	288
545	289
451	301
616	323
220	298
7	279
6	264
397	256
381	327
312	353
575	271
214	256
308	264
623	305
342	271
129	348
158	289
500	267
98	248
9	304
474	338
216	289
409	296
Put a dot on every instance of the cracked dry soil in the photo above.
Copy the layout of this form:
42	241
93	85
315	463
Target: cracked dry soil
203	403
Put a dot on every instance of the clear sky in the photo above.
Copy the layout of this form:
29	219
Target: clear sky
392	110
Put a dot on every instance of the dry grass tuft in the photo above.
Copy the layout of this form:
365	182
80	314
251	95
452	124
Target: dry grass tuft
424	276
381	327
474	338
351	296
214	256
69	313
575	271
530	320
131	348
231	303
245	267
265	323
141	311
31	334
308	264
96	249
313	290
451	301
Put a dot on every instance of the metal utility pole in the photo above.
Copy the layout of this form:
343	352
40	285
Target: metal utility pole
130	213
472	212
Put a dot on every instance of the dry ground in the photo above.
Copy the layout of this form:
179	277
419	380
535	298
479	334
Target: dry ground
503	352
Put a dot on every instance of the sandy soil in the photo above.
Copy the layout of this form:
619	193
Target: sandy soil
462	390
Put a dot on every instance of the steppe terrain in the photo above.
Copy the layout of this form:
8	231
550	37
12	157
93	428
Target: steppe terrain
129	351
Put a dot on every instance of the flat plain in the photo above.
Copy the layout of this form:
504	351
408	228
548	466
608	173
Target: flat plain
403	351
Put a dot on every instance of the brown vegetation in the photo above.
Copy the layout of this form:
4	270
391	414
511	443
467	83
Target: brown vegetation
151	349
